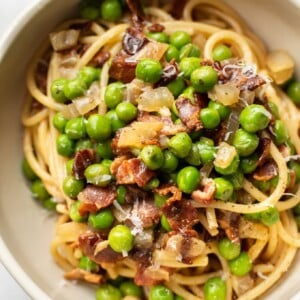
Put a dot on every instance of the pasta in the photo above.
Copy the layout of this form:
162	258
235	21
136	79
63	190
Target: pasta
154	133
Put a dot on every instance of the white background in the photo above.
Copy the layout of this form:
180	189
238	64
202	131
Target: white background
10	9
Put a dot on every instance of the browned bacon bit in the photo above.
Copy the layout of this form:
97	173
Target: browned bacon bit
101	58
134	193
205	196
180	214
264	148
88	242
133	171
171	191
92	198
156	27
169	74
284	150
136	8
133	41
83	26
80	274
189	114
83	158
266	172
229	222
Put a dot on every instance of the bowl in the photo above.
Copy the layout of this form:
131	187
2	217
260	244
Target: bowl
25	229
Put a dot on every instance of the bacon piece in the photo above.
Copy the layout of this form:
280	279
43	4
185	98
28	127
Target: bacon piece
180	214
266	172
263	148
93	198
169	74
136	8
88	242
229	222
156	27
41	75
170	190
189	114
134	39
101	58
132	171
80	274
207	195
82	26
83	158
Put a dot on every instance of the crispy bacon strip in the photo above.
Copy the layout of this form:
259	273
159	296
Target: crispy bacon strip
93	198
170	190
83	158
266	172
131	171
229	222
180	214
206	195
189	114
264	150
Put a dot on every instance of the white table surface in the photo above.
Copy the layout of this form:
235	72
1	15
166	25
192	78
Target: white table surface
9	289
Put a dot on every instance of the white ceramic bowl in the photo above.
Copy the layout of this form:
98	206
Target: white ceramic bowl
25	229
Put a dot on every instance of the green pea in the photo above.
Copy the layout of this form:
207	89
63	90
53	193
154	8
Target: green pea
176	87
249	164
207	151
104	149
89	74
215	289
89	10
115	121
178	298
210	118
114	94
160	292
293	165
224	189
224	111
232	168
152	184
59	122
69	166
75	128
161	37
38	190
274	109
83	144
189	50
241	265
148	70
98	127
207	141
270	216
263	186
72	187
293	91
221	52
74	213
57	90
101	220
126	111
194	156
120	238
49	204
204	78
172	53
164	223
98	174
75	88
237	179
244	142
228	249
107	291
254	118
179	38
121	194
255	217
152	156
111	10
106	163
180	144
129	288
159	200
189	93
27	170
188	65
280	132
64	145
87	264
188	179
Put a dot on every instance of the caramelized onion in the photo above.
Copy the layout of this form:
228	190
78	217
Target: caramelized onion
64	39
226	94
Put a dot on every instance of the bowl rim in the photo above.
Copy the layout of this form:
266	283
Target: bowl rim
6	258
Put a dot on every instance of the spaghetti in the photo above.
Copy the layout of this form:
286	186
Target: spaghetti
155	135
